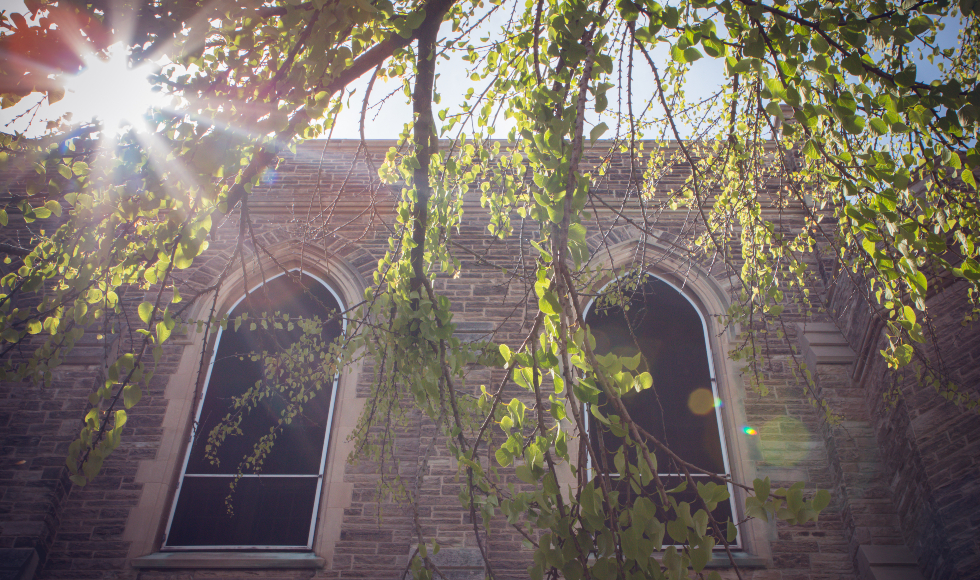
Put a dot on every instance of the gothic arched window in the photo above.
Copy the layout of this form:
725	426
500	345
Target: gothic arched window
274	507
681	409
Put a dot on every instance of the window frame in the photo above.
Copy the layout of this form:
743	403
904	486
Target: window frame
320	476
738	544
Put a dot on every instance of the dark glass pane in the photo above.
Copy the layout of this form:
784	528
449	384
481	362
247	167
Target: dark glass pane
268	511
722	512
298	447
679	408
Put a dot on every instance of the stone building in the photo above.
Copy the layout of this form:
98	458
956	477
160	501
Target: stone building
905	476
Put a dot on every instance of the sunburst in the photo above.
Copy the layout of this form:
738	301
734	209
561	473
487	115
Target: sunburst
113	93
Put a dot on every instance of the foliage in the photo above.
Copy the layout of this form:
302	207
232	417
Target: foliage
821	106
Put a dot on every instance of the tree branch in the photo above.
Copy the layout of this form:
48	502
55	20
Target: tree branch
426	145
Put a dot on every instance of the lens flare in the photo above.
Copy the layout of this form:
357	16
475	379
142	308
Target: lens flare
701	401
749	430
785	441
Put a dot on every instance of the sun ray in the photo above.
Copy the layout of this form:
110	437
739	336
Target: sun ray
109	90
185	183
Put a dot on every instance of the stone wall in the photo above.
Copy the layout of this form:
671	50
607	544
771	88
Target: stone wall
930	447
319	199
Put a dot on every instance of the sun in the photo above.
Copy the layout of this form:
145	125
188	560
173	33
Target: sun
112	92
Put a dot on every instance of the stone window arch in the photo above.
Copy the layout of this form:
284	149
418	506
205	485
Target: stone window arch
683	407
275	506
149	521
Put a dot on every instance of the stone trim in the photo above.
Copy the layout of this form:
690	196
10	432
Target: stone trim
888	563
229	560
823	343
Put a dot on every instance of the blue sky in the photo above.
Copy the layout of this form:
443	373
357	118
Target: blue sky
388	121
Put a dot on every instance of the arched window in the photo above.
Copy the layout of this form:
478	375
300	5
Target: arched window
682	408
274	507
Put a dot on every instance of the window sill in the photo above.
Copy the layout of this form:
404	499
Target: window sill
742	560
230	560
306	560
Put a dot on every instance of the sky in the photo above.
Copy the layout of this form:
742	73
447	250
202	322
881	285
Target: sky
87	95
105	89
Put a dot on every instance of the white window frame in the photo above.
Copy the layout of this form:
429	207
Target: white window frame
197	417
719	422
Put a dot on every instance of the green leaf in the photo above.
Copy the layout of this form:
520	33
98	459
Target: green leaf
547	299
685	55
643	381
701	555
919	282
577	246
551	484
597	131
701	522
131	395
524	473
852	123
145	311
967	177
879	126
819	44
821	499
906	77
53	206
673	562
691	54
794	496
904	354
741	66
163	331
755	509
853	64
713	47
631	362
121	419
776	88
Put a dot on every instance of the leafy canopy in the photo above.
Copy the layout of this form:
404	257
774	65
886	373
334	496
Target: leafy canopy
819	107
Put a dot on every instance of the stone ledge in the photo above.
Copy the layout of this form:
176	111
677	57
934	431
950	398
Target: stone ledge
742	560
814	339
822	343
719	560
832	354
468	561
817	327
229	560
18	563
888	563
